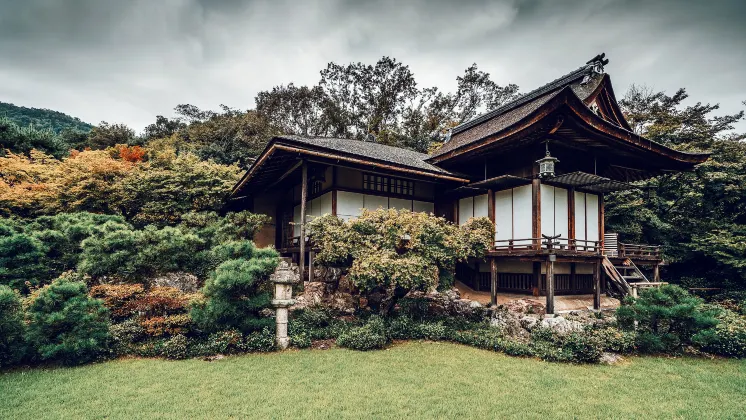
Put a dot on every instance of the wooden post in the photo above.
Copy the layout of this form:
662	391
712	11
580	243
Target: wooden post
597	285
491	213
536	212
550	287
303	198
493	282
334	202
537	278
657	273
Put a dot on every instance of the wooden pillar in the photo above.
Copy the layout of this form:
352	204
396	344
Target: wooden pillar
493	282
303	198
571	217
536	212
455	211
550	287
657	272
334	202
537	279
597	285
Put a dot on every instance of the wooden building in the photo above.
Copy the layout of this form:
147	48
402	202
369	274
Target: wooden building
538	167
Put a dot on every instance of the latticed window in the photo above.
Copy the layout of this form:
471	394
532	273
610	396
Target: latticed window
386	184
315	187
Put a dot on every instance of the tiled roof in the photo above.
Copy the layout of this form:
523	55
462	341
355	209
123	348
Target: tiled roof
371	150
513	111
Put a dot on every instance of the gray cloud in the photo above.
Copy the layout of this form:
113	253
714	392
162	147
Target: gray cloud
126	61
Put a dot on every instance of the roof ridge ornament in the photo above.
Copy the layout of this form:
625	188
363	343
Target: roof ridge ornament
596	66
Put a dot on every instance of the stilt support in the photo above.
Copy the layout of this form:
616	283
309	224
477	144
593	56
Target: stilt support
493	282
550	287
597	285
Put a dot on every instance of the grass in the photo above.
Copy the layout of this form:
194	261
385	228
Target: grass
415	380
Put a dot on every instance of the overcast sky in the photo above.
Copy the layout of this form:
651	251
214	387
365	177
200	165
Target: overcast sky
127	61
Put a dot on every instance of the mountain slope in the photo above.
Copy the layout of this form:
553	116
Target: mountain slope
42	118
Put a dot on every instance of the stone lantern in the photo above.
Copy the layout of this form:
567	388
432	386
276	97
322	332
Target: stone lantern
284	277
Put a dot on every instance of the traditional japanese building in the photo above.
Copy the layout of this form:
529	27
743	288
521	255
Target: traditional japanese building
538	166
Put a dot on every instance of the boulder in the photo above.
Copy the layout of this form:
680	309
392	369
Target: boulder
186	282
525	306
529	322
608	358
506	321
561	325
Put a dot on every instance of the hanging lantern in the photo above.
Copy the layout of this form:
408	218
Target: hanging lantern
546	164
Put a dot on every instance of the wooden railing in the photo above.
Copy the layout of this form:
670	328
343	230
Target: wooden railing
562	244
639	251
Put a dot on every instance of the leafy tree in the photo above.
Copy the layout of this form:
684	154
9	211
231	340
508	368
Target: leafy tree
384	264
237	290
163	127
166	187
383	100
65	324
106	135
697	216
12	328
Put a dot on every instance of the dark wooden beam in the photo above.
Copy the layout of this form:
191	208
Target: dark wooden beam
491	205
303	196
573	276
537	278
536	212
550	287
493	282
597	285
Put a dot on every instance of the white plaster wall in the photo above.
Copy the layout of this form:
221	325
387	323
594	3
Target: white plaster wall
400	204
349	204
518	267
584	268
481	207
522	214
591	211
465	209
579	215
504	214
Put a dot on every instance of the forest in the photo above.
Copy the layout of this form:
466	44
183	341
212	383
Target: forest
186	164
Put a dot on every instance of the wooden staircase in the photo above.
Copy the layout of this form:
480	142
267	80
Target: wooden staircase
625	278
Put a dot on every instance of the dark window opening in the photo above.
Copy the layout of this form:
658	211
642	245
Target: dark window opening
387	184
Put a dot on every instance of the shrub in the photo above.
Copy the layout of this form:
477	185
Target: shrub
370	336
116	297
176	347
12	341
158	301
301	340
260	341
667	318
22	261
169	325
124	335
65	324
404	328
238	290
728	338
616	340
582	347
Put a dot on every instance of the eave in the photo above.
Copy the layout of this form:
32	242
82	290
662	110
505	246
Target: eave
287	148
566	99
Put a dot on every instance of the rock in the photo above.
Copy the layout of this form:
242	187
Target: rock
312	295
506	321
343	302
475	305
608	358
214	358
345	285
525	306
529	322
452	294
561	326
186	282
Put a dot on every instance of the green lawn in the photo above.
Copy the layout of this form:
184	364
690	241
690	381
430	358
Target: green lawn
408	380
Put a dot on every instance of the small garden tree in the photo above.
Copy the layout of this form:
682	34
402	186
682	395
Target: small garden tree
666	317
65	324
12	342
390	252
237	290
